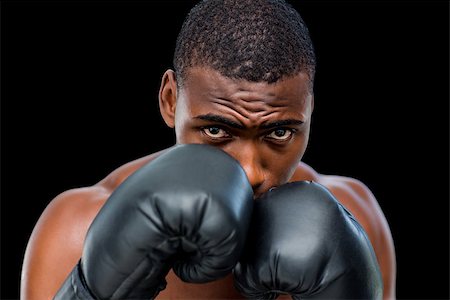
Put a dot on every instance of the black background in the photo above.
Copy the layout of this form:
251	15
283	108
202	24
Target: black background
79	98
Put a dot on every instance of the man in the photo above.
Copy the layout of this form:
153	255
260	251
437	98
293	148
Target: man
243	82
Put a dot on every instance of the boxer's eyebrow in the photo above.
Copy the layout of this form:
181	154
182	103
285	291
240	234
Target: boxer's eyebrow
281	123
233	124
220	119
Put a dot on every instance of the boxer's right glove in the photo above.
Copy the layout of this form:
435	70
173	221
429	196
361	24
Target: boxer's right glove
188	209
304	243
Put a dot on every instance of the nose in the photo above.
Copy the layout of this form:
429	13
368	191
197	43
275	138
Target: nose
253	167
255	175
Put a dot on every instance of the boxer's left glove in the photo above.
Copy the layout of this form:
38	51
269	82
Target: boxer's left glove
304	243
188	209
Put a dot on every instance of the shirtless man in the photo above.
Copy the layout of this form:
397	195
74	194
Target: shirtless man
242	82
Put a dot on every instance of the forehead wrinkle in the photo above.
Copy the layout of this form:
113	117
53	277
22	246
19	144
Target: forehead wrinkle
250	92
251	119
255	110
253	97
254	104
231	107
246	109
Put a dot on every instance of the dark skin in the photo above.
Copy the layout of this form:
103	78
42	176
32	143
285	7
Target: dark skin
264	126
244	119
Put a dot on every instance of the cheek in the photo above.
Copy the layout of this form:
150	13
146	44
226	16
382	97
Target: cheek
187	135
281	169
281	166
303	145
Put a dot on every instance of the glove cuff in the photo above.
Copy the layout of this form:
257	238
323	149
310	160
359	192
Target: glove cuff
75	287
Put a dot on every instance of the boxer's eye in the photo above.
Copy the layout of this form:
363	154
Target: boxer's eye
215	132
281	134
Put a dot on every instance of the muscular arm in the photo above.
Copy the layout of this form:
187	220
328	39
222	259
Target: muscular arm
56	242
360	201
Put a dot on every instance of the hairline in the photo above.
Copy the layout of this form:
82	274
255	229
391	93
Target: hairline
180	81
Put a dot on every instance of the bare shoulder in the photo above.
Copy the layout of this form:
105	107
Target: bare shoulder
115	178
351	192
57	239
356	197
361	202
56	243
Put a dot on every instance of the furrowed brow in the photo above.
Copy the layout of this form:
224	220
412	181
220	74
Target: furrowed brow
220	119
281	123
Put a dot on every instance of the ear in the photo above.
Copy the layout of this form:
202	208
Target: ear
168	97
312	103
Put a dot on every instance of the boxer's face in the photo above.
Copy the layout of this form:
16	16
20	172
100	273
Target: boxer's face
264	126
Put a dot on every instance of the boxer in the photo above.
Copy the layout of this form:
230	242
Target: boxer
243	83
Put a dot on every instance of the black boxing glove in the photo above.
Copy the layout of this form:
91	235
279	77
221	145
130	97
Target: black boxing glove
188	209
304	243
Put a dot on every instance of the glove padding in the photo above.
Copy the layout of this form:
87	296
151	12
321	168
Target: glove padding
188	209
304	243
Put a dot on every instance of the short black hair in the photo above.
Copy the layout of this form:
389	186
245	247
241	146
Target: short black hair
255	40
